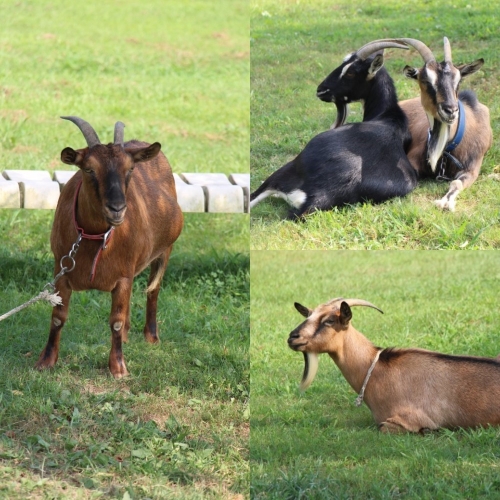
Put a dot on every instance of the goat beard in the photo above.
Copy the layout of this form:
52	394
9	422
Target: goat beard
342	110
310	369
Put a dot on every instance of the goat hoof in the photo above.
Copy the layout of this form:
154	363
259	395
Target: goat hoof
151	335
445	204
45	362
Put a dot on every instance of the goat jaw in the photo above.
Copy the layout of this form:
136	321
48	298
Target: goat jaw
342	110
310	369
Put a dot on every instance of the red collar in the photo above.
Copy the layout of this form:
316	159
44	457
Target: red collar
105	237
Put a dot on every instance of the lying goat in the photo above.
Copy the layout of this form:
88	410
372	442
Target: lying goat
118	223
357	162
430	151
407	390
460	133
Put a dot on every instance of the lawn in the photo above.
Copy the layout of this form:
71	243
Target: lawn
318	445
294	46
174	72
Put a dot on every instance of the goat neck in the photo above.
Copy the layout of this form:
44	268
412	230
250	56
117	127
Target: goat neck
382	98
354	357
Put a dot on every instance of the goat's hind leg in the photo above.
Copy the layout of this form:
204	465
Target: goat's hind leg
48	357
158	267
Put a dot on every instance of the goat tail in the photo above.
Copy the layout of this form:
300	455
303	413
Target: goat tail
158	267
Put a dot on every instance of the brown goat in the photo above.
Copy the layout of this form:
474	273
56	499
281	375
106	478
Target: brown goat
407	390
438	109
127	222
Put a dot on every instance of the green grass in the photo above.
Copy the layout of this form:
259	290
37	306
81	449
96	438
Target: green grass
174	72
294	46
178	426
318	445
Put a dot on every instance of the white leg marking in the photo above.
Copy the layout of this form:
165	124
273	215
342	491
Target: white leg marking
448	201
57	322
295	198
117	326
261	197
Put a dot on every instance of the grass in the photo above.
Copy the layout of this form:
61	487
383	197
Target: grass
174	72
178	427
318	445
294	46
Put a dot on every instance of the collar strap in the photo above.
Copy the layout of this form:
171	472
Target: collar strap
105	237
359	399
459	134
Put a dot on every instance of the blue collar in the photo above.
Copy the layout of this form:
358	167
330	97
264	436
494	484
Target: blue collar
459	134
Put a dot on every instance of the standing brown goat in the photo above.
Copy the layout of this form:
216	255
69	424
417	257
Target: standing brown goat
126	223
407	390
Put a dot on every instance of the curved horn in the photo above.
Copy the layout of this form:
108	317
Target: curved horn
376	45
360	302
423	50
447	50
310	369
85	128
118	138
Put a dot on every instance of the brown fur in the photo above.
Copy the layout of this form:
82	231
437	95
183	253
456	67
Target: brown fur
478	136
152	222
472	148
410	390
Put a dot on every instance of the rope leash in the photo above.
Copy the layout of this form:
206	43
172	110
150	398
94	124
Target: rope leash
52	298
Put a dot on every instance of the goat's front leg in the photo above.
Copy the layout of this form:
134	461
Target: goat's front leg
49	355
119	322
463	181
158	267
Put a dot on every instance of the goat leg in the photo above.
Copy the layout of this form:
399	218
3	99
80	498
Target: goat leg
463	181
48	357
118	321
158	267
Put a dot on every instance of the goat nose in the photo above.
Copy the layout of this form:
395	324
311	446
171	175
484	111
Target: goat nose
116	208
449	109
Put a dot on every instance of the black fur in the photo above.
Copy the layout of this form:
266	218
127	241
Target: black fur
357	162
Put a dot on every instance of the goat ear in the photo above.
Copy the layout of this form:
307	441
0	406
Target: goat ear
377	63
72	157
144	154
305	311
468	69
345	313
410	72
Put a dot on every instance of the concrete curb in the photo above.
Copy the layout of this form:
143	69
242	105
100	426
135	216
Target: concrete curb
196	192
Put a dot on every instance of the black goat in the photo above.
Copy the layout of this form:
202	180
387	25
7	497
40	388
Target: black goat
357	162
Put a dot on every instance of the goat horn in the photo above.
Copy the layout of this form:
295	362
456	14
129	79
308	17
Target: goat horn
360	302
118	138
86	129
376	45
447	50
423	50
310	369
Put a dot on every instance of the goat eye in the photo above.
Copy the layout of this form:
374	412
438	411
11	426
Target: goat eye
349	74
88	171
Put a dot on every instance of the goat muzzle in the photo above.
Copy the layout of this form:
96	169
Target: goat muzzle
115	216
